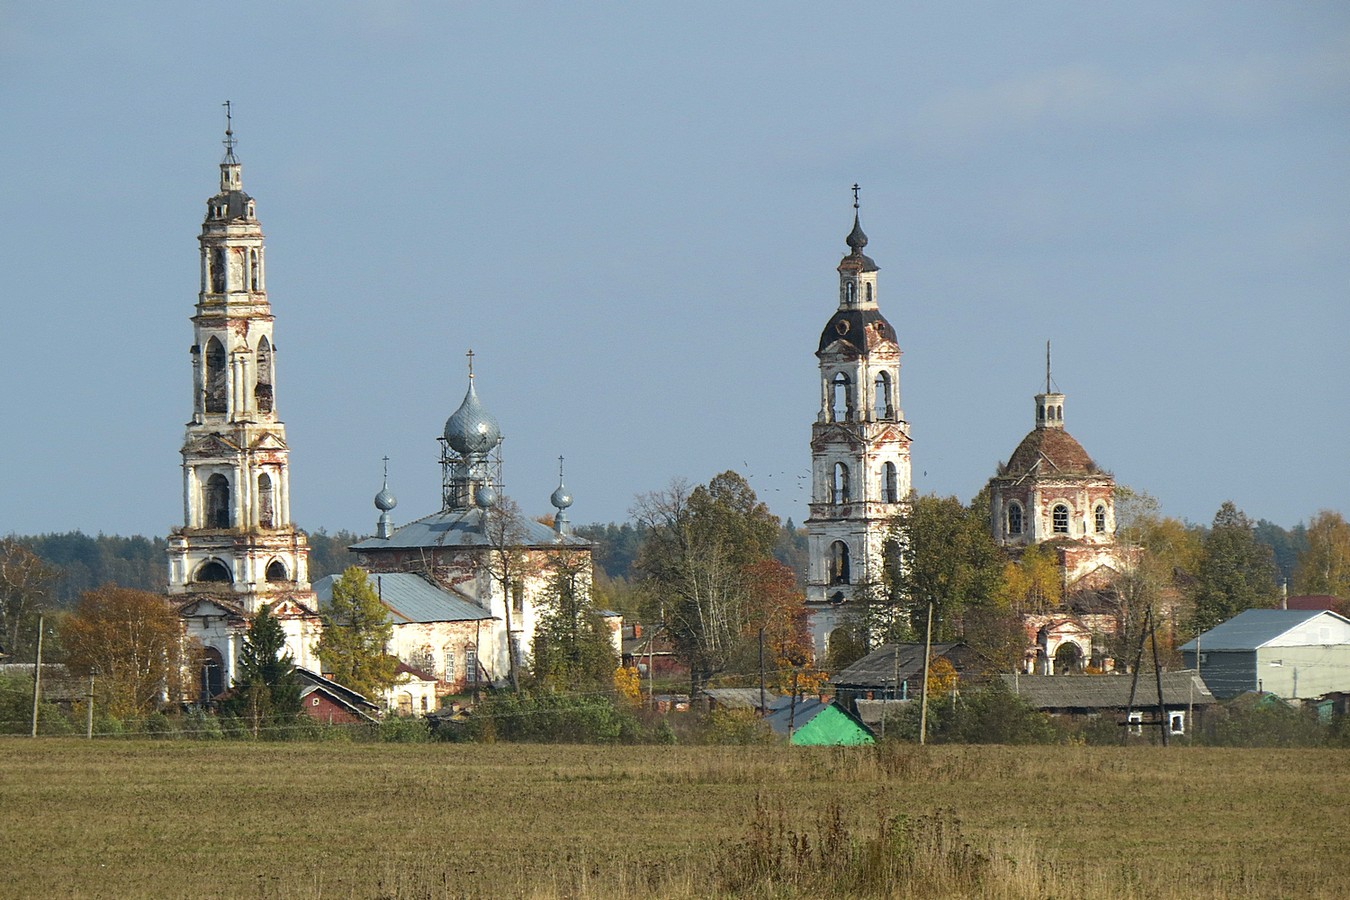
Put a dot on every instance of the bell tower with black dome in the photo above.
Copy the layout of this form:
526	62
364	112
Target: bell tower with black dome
237	549
860	465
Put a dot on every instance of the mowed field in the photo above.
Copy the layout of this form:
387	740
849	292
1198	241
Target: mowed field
178	819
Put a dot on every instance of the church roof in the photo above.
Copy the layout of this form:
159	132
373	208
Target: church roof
1049	451
861	329
464	528
411	598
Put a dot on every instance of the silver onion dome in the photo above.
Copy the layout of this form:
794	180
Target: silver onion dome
485	497
561	498
385	500
472	430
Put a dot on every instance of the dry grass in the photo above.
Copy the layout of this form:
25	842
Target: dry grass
323	820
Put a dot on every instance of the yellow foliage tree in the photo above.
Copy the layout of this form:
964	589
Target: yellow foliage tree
942	678
628	684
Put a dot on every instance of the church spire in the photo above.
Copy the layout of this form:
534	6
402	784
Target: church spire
1049	405
231	175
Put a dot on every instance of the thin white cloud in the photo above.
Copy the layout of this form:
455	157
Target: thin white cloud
1094	97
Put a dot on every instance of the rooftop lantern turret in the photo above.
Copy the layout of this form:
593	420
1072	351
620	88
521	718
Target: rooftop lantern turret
561	499
385	501
470	454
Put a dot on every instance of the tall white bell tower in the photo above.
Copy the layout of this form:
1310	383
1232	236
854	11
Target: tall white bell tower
237	548
860	468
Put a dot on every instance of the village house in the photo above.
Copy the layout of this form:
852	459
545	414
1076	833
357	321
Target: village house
1291	653
1080	697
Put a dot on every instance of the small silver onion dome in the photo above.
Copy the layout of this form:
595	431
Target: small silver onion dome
485	497
385	500
562	497
472	429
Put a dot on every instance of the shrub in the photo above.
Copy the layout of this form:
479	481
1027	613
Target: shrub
736	726
404	730
551	718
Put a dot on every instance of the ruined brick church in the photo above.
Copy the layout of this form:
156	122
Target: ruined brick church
1048	492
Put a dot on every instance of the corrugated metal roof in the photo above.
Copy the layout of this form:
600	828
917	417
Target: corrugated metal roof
1253	628
1107	691
464	528
411	598
782	712
739	698
878	669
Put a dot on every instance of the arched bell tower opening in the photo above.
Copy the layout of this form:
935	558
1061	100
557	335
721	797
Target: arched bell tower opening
860	459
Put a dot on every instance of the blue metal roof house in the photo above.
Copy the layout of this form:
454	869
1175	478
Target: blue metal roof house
1292	653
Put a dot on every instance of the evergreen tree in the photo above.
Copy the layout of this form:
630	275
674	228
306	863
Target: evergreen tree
1236	572
572	647
356	631
266	689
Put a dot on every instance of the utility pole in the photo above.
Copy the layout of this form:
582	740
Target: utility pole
1134	683
923	692
1163	725
37	676
761	671
89	709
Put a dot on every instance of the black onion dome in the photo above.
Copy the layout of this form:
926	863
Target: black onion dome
856	239
860	329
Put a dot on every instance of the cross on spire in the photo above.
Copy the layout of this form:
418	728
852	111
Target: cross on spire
229	131
386	468
855	195
470	356
560	468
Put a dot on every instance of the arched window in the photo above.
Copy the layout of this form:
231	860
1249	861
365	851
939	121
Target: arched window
869	293
263	390
839	567
883	407
1040	412
1059	517
449	664
841	399
217	271
215	376
1014	518
1099	518
266	506
891	558
890	488
849	296
217	505
213	673
471	663
276	571
254	270
839	490
213	571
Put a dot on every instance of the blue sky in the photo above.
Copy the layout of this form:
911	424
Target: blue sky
633	212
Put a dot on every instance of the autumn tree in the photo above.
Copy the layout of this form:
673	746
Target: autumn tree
1324	567
776	605
266	690
572	646
1235	571
356	633
133	640
26	585
1032	584
509	563
694	561
946	558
